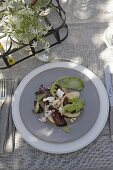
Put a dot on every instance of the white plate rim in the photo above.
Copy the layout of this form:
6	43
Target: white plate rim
67	147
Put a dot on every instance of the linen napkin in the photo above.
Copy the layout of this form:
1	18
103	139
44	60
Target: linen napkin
7	128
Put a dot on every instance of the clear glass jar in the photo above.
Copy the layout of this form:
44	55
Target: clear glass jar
82	9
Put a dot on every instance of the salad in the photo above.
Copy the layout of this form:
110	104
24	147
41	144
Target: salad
61	103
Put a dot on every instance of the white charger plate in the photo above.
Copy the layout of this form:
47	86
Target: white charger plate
65	147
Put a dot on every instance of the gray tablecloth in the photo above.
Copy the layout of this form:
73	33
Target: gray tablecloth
85	45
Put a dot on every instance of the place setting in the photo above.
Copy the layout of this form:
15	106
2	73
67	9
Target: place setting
68	132
56	88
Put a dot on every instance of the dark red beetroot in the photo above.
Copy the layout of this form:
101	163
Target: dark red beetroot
58	119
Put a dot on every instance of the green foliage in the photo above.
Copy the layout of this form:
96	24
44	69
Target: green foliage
23	21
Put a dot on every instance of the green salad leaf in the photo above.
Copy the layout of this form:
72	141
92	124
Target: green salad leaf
76	106
53	89
40	97
71	83
68	82
67	129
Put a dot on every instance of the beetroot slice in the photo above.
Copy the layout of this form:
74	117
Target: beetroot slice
58	119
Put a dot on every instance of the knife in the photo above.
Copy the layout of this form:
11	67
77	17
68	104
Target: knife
109	88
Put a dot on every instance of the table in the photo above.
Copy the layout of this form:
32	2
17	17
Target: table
84	45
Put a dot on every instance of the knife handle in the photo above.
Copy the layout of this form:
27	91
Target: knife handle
111	122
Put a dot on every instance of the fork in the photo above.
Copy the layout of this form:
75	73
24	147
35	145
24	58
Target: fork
3	91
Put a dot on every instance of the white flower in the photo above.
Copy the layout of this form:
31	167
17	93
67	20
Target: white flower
5	19
30	11
44	32
2	8
2	21
7	4
35	31
47	46
25	40
34	44
48	27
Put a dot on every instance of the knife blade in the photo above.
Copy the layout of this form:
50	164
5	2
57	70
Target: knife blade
109	88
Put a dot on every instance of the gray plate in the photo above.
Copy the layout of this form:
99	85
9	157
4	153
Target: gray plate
50	132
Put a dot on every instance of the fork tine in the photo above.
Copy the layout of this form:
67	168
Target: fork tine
4	87
3	83
0	87
5	92
2	91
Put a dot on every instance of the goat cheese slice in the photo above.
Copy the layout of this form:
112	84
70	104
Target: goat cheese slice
59	93
50	99
42	119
